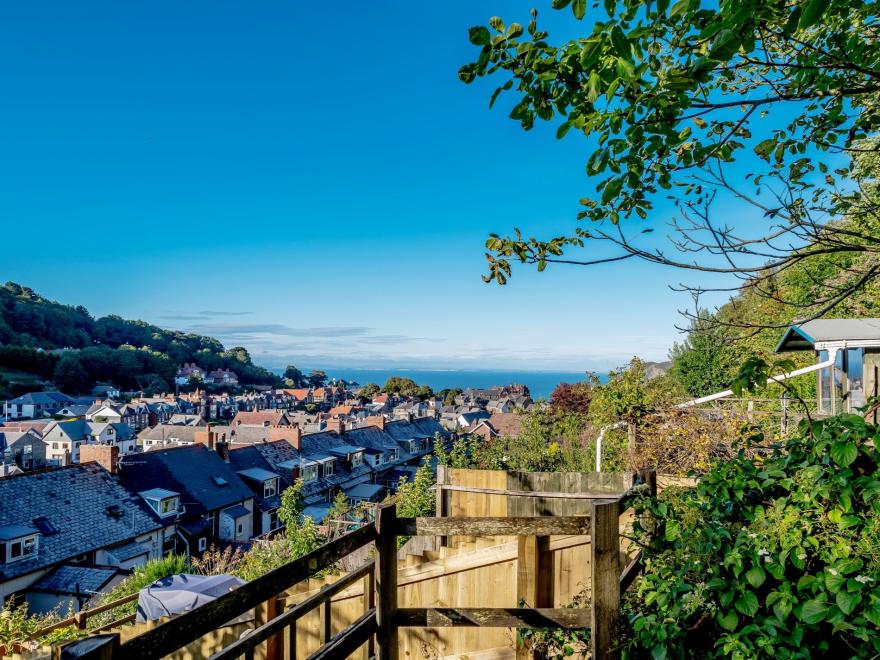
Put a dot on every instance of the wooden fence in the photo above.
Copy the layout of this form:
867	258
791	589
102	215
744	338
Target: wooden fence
377	628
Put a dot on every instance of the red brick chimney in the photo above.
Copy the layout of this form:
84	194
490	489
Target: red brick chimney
376	420
337	425
223	449
107	456
206	437
295	439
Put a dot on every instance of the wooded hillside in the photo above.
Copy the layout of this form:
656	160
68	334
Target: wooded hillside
130	354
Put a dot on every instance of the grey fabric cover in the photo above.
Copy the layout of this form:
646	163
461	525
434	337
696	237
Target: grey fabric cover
176	594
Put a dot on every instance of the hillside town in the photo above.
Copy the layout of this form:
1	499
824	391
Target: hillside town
106	484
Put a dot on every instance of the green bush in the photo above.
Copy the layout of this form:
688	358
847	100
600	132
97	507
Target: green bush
772	556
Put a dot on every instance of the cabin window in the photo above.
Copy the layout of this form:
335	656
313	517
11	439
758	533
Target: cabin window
270	487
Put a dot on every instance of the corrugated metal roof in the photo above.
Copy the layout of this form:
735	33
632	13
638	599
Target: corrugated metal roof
804	336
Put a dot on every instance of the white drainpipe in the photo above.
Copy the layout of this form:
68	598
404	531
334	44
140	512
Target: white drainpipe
712	397
771	380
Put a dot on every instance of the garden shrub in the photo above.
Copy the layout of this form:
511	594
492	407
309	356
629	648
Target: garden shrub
771	555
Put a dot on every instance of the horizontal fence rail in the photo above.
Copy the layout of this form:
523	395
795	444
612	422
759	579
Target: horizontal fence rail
382	618
289	618
493	617
503	526
166	638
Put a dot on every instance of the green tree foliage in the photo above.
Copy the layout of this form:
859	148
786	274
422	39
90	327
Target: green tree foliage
368	391
416	498
671	94
294	376
341	507
776	556
448	395
28	322
400	385
317	378
290	511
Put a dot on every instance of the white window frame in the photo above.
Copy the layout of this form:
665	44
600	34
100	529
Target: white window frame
357	459
28	546
270	487
310	472
203	544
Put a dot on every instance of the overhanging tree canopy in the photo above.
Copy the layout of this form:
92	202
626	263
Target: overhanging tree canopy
672	94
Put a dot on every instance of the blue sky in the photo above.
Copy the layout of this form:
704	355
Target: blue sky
309	180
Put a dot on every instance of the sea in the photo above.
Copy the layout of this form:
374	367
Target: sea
540	383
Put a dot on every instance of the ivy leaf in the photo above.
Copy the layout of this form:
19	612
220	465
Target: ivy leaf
814	611
579	8
747	603
844	453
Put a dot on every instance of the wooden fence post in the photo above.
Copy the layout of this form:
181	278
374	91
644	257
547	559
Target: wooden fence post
442	509
605	578
275	644
386	583
369	603
96	647
527	568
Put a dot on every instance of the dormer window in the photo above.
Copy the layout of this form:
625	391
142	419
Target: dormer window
270	487
329	468
164	502
357	459
310	472
18	542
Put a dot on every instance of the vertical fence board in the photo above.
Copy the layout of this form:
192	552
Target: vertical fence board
605	579
386	583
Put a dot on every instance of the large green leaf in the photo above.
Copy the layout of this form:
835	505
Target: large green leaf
812	12
729	620
814	611
756	576
846	601
844	453
747	603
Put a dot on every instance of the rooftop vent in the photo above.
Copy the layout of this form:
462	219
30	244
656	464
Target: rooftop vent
220	481
113	511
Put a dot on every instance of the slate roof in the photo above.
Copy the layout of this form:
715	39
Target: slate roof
189	470
75	500
66	578
41	398
261	418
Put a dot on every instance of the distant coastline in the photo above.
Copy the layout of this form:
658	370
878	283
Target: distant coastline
540	383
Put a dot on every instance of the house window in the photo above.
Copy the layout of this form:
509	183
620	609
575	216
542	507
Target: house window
329	469
273	520
203	544
240	528
309	472
357	459
270	487
22	548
